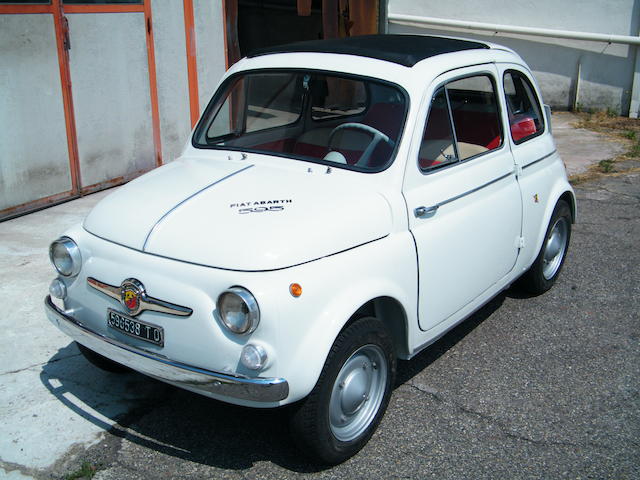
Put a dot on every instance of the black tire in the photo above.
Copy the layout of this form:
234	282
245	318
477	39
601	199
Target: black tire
100	361
333	423
544	271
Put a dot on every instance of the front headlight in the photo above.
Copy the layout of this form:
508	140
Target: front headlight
65	257
238	310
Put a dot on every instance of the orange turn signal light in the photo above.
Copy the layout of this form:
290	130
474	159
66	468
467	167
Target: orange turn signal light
295	289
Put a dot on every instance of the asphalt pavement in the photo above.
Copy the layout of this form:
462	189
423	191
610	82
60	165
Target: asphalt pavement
528	387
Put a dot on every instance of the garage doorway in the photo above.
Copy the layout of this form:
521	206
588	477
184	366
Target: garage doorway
253	24
78	70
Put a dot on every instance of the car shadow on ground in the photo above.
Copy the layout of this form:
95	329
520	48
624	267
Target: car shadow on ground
410	368
180	425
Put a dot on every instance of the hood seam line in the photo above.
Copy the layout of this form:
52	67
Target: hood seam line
188	262
171	210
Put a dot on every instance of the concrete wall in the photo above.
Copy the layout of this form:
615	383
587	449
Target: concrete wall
108	63
34	159
171	73
209	26
111	99
606	71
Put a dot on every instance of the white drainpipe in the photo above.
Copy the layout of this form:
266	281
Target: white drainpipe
634	106
422	22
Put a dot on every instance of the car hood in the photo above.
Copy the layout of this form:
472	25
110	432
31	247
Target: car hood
239	216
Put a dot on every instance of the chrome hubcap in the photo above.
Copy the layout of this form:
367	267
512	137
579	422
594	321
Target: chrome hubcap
555	248
357	392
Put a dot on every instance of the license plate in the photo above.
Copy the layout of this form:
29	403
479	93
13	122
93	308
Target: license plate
135	328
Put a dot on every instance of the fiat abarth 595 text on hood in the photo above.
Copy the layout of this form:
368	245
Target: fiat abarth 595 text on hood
340	204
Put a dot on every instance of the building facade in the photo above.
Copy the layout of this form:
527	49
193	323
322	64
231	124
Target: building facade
93	95
573	73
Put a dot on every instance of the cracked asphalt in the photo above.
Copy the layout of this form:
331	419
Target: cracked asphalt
527	388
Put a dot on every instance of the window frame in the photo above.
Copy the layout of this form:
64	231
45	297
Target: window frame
499	111
538	103
102	2
223	88
216	97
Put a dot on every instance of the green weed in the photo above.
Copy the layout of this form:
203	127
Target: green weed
611	112
86	471
630	134
606	166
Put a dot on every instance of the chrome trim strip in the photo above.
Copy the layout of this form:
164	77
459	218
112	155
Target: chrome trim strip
146	302
182	375
473	190
539	160
146	240
109	290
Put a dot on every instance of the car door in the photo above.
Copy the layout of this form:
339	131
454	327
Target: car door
462	194
532	147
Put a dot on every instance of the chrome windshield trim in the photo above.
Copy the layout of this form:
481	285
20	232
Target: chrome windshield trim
146	302
200	380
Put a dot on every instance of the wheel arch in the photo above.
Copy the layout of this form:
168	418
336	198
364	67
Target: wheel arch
562	192
569	197
394	317
313	344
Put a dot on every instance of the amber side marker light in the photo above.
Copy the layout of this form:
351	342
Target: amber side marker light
295	289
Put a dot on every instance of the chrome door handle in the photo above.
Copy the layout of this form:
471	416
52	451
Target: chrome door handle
425	212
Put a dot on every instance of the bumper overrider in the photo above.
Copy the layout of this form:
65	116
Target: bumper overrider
185	376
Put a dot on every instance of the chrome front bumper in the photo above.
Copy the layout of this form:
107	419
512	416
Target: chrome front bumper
217	385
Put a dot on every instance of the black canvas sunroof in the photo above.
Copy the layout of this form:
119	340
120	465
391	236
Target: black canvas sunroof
405	50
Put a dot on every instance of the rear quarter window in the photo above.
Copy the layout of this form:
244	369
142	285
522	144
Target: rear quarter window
525	115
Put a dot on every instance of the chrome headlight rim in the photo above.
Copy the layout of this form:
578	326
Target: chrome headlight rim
74	255
252	315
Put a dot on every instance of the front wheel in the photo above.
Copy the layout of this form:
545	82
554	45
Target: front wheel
545	269
345	407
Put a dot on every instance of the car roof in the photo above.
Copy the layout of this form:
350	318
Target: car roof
404	50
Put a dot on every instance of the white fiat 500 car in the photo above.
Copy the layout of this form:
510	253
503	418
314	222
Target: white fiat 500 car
340	204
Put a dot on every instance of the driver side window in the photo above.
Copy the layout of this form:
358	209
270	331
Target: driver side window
438	145
463	122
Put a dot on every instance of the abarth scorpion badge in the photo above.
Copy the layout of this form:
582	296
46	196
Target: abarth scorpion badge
131	292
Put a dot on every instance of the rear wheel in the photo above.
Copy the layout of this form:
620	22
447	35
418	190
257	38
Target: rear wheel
546	268
345	407
100	361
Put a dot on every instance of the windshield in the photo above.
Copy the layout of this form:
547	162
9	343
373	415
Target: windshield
343	121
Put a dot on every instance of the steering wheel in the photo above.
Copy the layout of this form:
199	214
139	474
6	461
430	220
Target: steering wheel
378	136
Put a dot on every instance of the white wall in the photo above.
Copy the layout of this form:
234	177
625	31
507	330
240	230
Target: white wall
171	76
111	99
606	70
34	159
209	26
